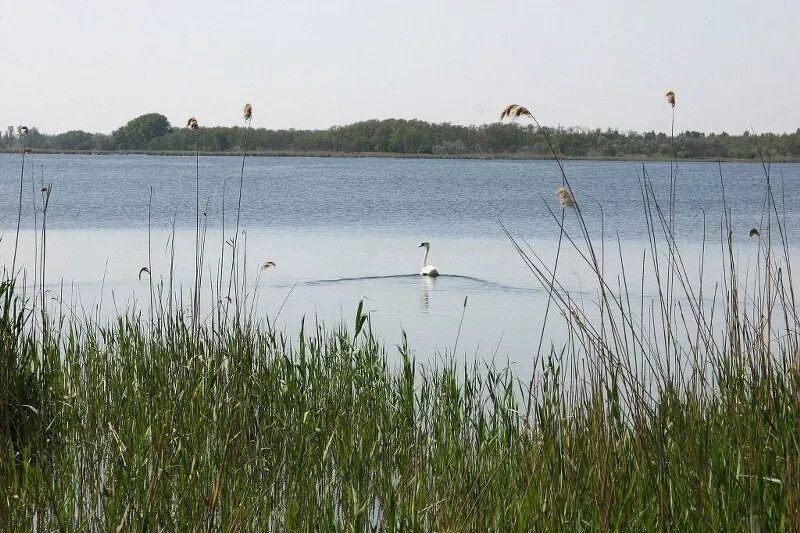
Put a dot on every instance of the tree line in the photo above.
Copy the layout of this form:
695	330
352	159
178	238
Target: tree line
153	132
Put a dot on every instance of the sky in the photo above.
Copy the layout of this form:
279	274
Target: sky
94	65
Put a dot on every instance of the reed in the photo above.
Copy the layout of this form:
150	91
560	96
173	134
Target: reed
192	124
234	279
22	133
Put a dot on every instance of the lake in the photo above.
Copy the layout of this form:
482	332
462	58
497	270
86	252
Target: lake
345	229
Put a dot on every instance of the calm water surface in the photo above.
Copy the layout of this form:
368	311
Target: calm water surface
345	229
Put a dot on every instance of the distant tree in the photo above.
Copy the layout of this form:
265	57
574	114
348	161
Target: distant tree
153	132
139	132
221	142
9	136
73	140
34	139
102	142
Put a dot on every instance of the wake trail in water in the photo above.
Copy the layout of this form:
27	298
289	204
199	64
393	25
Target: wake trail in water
442	277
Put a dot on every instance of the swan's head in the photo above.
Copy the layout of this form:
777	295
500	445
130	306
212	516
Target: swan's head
425	245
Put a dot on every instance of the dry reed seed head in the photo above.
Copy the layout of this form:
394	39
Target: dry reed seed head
268	264
565	197
514	111
507	111
522	112
671	98
754	232
192	123
248	111
143	270
28	150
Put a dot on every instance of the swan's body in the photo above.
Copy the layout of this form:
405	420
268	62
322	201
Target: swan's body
427	270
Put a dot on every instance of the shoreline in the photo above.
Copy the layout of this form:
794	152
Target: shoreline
397	155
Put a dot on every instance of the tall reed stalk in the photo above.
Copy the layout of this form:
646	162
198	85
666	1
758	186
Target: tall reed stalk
34	197
233	282
198	266
45	191
22	133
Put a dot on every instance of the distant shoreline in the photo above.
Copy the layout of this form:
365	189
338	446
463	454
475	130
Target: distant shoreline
397	155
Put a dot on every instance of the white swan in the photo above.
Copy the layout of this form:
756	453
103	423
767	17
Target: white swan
427	270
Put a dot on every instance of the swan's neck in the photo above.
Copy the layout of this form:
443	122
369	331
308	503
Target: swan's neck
425	259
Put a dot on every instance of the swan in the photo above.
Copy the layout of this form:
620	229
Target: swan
427	270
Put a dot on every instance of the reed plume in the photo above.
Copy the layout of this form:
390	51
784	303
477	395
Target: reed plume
514	111
566	197
192	123
268	264
248	111
671	98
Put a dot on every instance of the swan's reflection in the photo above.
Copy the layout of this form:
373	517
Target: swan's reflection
427	284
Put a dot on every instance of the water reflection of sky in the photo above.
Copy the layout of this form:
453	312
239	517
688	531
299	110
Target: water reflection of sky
324	277
345	230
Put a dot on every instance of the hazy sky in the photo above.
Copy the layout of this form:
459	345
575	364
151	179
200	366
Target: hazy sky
94	65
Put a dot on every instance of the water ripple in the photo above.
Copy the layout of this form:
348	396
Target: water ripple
442	278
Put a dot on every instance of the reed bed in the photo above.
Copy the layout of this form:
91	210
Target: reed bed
122	426
681	412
